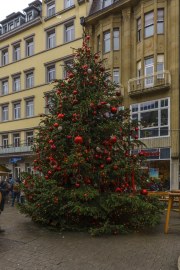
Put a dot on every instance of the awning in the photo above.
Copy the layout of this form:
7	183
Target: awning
4	170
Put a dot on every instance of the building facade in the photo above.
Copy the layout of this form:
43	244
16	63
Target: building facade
34	46
139	41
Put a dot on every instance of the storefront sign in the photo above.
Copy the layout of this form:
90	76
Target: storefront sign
15	159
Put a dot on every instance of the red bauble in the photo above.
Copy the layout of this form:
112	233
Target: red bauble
144	192
88	37
69	136
75	92
136	137
108	159
113	139
60	116
113	110
136	129
102	166
77	185
56	124
51	141
118	190
115	167
78	140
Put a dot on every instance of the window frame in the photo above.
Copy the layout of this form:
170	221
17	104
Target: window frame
51	9
116	39
5	113
16	110
29	103
50	70
139	29
149	25
160	21
29	78
145	107
117	71
107	41
5	141
51	39
16	53
16	83
3	82
29	47
16	139
66	5
5	57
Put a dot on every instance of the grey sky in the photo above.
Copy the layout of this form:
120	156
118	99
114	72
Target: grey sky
10	6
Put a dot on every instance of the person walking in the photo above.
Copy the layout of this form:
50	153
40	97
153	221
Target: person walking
16	192
3	191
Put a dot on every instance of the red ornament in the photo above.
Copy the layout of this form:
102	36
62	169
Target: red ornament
88	37
118	190
51	141
78	140
60	116
77	185
108	159
56	124
75	92
144	192
113	139
136	137
115	167
113	110
102	166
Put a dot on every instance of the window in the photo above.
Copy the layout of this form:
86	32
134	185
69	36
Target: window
16	84
139	72
67	65
16	53
160	66
51	42
116	77
29	138
29	16
10	26
160	21
50	9
17	110
154	117
149	24
50	73
16	140
107	41
68	3
149	70
16	22
4	57
30	79
5	87
98	43
139	29
107	3
29	108
69	32
116	39
48	103
5	28
29	47
5	141
5	113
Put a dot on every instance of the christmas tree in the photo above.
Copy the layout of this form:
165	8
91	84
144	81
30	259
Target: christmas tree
87	170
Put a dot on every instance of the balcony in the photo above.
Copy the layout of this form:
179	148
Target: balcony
10	149
150	83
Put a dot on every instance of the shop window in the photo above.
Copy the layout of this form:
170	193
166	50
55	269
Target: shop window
153	116
149	24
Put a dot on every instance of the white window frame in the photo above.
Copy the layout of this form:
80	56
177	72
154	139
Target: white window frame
139	71
69	32
139	29
5	113
5	57
148	107
29	16
116	39
5	141
51	39
51	9
149	80
16	139
160	66
29	79
29	107
107	41
29	47
68	3
17	111
29	138
16	84
16	52
51	73
5	87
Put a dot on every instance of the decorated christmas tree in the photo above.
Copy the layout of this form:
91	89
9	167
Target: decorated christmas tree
87	169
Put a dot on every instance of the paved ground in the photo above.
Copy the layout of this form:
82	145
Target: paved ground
26	246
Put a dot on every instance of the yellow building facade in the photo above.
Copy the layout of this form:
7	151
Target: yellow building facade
139	40
34	46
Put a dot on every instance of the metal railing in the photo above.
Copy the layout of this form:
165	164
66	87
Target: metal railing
153	81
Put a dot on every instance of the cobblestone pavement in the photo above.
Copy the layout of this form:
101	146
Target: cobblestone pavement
27	246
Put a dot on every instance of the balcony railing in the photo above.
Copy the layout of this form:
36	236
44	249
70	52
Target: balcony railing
149	83
10	149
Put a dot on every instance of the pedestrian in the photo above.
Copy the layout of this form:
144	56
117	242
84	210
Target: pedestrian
16	192
3	191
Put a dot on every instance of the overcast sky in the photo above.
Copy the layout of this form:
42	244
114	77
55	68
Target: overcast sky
10	6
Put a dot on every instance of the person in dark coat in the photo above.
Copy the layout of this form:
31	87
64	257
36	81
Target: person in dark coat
3	190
